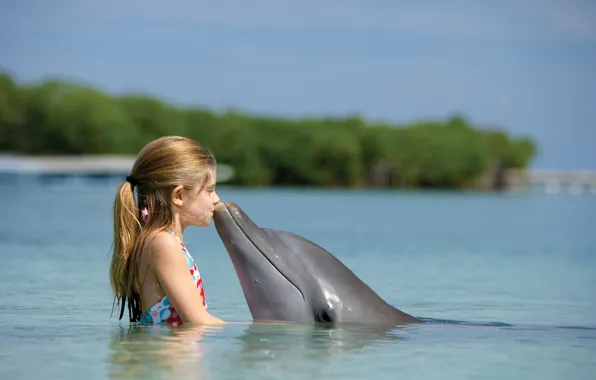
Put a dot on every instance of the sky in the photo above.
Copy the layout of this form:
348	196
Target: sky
527	66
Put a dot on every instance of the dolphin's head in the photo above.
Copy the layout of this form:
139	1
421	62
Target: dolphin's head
286	277
273	279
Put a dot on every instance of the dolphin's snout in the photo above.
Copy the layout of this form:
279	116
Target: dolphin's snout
222	206
230	205
229	211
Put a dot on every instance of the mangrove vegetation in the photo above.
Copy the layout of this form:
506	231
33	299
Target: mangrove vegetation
62	118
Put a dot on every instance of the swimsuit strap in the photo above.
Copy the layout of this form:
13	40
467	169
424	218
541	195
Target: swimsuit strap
170	231
177	238
192	266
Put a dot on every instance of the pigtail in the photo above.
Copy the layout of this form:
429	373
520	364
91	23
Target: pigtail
127	229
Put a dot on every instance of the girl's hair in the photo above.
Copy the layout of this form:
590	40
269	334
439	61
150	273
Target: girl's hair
160	166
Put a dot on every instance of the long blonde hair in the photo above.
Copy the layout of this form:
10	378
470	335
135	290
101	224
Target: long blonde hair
161	165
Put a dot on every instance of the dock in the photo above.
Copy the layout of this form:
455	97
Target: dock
554	182
84	165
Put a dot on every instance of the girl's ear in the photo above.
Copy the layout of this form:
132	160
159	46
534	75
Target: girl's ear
178	195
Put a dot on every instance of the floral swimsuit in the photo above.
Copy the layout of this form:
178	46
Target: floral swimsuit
163	312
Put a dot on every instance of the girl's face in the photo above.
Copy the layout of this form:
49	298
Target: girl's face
196	207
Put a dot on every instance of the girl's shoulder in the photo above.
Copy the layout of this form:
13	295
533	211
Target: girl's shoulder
166	256
163	245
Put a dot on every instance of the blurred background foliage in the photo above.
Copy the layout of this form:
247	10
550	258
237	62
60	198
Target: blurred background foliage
63	118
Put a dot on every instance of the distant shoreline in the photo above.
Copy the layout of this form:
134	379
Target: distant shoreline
120	165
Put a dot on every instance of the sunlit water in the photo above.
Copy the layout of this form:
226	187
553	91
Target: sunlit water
508	281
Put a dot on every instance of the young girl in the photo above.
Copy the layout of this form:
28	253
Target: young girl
151	269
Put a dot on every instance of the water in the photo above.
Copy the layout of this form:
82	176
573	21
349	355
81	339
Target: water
516	275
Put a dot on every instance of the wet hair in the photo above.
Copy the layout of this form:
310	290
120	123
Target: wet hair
161	165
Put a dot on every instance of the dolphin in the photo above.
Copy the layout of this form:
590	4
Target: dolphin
288	278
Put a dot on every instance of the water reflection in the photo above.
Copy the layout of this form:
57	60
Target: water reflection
157	352
281	349
260	349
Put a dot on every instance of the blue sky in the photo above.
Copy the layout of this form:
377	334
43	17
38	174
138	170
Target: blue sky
526	65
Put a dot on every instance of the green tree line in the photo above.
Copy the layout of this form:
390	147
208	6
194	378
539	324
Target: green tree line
59	117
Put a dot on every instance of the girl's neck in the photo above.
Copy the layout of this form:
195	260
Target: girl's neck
177	228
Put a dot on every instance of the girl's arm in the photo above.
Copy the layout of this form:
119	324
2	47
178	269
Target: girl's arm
171	269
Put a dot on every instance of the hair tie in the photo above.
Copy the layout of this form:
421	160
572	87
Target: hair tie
132	180
144	214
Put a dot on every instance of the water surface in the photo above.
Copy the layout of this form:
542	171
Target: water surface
513	277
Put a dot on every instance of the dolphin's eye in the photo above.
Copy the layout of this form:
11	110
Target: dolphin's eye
325	317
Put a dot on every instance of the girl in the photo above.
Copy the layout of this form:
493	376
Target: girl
151	269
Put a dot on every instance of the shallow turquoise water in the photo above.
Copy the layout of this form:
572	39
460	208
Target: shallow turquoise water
517	272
